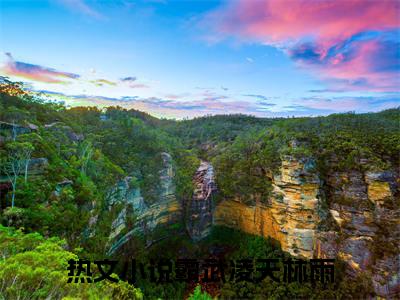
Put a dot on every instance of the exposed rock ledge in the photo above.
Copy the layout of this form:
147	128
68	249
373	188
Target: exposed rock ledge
167	210
291	215
351	215
365	208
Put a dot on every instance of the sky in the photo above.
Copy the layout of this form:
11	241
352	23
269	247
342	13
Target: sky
183	59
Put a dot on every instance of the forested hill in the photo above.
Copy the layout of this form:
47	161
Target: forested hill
86	176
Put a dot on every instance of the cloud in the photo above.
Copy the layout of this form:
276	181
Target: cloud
138	86
265	104
199	107
326	91
209	95
159	106
35	72
175	96
131	81
324	105
101	82
262	104
81	7
277	21
260	97
167	108
351	44
365	61
170	104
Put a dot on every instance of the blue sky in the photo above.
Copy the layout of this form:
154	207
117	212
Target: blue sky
180	59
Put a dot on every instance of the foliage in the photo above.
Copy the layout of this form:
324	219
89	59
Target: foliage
88	151
243	245
199	295
36	268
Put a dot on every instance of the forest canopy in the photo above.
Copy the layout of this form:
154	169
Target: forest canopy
59	166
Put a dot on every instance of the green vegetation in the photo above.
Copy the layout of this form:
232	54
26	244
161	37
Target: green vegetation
33	267
58	166
239	245
199	295
366	142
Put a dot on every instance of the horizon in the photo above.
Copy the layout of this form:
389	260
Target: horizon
186	59
226	114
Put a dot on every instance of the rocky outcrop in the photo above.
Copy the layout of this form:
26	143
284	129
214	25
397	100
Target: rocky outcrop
200	220
365	208
352	215
66	130
135	217
381	186
36	166
295	204
12	130
257	219
59	188
289	216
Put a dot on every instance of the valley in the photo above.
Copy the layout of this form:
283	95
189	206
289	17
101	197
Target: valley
121	184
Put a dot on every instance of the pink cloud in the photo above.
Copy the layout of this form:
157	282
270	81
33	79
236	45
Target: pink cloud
284	20
174	96
35	72
139	86
343	40
322	105
368	64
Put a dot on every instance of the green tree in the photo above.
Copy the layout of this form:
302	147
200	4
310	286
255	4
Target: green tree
199	295
19	154
33	267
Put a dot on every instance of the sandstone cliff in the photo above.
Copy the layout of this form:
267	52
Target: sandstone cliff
290	215
365	207
352	215
134	215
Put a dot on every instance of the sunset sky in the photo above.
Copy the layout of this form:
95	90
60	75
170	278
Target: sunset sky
178	59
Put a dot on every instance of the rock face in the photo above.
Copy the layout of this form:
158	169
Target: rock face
365	207
351	215
11	131
200	208
66	130
134	216
290	216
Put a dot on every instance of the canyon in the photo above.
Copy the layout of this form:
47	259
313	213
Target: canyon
346	215
351	215
121	184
